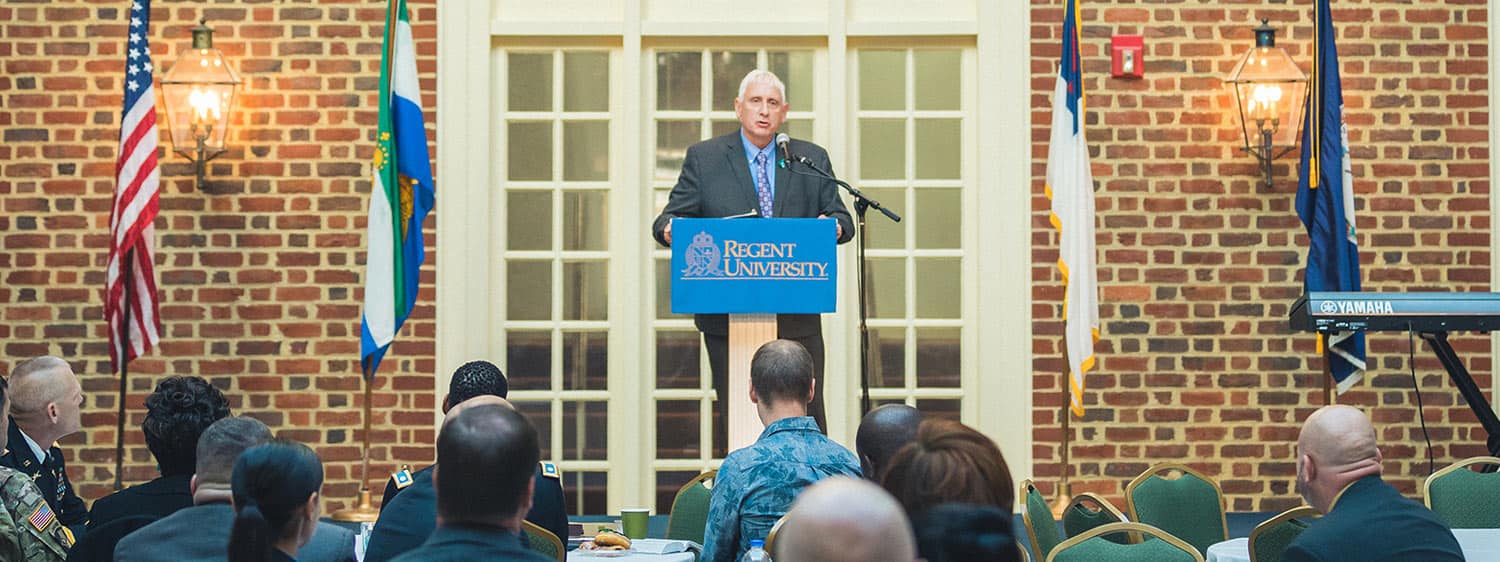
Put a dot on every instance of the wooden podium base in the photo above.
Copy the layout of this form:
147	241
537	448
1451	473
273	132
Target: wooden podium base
747	332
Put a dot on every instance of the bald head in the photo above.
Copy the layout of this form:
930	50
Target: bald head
1336	447
883	432
481	400
45	399
845	519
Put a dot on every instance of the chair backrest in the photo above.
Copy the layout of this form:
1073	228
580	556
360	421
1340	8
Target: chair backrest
771	536
1041	528
1088	511
544	542
1180	501
689	516
1092	546
1463	498
1270	538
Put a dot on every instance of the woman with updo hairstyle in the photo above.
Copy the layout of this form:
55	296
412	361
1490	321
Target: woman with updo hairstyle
275	488
949	462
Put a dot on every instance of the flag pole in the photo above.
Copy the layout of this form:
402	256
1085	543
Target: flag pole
124	358
364	510
1064	493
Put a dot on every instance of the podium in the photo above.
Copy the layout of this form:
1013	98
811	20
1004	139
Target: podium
752	269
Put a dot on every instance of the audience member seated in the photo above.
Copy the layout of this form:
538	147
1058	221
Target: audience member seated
409	513
485	458
201	532
1365	519
881	433
949	462
177	412
28	529
955	532
756	485
45	400
275	489
844	519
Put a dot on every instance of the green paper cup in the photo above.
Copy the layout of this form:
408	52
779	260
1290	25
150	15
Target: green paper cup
633	522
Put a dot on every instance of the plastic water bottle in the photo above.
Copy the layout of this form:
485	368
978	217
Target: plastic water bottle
757	552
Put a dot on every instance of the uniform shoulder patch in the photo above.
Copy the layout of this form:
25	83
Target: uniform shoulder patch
550	470
402	477
41	517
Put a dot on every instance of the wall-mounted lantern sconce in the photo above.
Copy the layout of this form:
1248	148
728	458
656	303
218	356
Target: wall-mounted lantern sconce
1270	91
198	93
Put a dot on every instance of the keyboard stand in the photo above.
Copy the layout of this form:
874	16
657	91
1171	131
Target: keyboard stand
1465	383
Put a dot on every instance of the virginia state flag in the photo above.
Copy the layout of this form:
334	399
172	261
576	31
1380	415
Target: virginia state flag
401	195
1070	187
1325	198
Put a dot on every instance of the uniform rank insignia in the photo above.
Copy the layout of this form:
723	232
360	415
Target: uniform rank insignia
550	470
67	533
402	477
42	517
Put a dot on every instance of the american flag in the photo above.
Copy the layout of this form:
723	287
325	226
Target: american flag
137	189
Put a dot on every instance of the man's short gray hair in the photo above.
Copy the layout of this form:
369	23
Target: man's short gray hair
761	75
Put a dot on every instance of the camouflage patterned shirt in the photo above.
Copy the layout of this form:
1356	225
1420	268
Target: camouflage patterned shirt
28	529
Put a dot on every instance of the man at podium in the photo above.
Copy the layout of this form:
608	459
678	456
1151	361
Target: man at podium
745	174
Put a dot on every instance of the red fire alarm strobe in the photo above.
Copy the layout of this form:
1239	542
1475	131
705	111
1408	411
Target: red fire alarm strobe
1127	56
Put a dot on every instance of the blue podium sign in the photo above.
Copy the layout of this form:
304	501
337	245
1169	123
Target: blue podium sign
745	266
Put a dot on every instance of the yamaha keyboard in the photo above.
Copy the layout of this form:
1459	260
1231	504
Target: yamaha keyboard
1421	312
1430	315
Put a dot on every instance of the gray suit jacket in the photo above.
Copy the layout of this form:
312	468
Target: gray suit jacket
715	182
201	532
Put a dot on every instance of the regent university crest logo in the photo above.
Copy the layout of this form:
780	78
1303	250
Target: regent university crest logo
703	257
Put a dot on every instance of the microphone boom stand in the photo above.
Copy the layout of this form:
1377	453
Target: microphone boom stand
862	203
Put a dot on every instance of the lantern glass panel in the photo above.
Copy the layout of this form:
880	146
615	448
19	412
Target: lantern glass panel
1270	93
198	94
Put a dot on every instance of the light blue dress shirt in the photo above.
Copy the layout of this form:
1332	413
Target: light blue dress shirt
771	161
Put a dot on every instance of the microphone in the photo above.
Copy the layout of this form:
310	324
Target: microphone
781	141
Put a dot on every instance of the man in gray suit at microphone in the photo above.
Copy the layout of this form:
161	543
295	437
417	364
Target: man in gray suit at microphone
750	173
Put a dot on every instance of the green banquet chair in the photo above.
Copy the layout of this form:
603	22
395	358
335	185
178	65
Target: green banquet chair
1270	538
689	515
544	542
1180	501
1087	511
1463	498
1041	528
1092	546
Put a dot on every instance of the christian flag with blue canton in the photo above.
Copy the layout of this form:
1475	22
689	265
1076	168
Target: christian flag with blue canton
1070	187
1325	199
400	195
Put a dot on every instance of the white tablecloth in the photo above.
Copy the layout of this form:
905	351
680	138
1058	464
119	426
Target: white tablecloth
1477	544
583	556
1232	550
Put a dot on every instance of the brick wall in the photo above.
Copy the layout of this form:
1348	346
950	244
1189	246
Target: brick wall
259	271
1199	261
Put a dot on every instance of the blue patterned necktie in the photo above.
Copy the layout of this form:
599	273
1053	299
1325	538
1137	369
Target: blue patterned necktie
763	185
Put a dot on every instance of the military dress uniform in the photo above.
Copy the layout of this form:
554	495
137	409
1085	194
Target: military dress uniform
51	477
408	514
29	530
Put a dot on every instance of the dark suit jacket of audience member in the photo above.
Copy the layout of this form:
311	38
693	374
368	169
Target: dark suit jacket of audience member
471	544
158	498
408	516
1372	522
202	533
98	545
51	479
